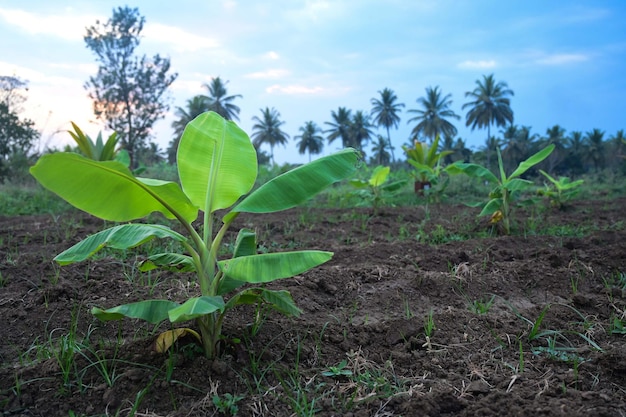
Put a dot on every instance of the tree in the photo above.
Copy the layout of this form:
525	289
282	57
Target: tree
555	135
12	92
595	147
518	145
219	101
575	149
489	105
310	140
195	106
340	126
360	130
432	117
17	135
128	92
267	130
385	111
380	156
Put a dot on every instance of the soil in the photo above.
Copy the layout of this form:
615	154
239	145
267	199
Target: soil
524	325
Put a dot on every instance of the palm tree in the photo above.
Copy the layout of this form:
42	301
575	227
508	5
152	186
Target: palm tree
555	135
194	107
491	147
310	139
385	111
267	130
595	147
360	130
433	114
340	126
518	145
380	156
575	152
617	144
489	105
219	101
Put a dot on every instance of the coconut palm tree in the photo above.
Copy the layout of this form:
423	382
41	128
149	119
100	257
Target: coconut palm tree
385	112
555	135
360	130
489	105
380	156
194	107
219	101
595	147
432	117
575	149
340	126
267	130
310	140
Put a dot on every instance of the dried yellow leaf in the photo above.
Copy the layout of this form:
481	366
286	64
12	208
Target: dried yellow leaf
165	340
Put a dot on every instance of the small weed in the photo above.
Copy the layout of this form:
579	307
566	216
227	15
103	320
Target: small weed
227	404
482	306
338	371
617	326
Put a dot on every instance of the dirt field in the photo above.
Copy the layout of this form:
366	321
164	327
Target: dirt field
525	325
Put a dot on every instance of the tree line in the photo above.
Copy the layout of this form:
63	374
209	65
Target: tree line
130	93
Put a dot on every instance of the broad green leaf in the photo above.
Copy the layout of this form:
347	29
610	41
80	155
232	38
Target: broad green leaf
245	245
216	162
108	190
532	161
491	207
298	185
196	307
124	236
394	186
174	262
379	176
279	300
152	311
518	184
476	171
272	266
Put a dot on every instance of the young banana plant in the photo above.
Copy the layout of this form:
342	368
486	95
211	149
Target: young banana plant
217	166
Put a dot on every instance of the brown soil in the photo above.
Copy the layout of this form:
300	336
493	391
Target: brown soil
366	307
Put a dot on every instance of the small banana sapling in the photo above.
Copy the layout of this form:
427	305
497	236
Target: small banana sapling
217	167
374	190
506	189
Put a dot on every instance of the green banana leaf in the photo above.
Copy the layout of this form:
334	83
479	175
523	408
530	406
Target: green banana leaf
152	311
474	171
272	266
196	307
174	262
216	162
379	176
245	245
124	236
279	300
108	190
532	161
298	185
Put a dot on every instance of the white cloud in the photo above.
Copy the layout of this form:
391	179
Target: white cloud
562	59
482	64
293	89
269	74
181	40
271	55
68	27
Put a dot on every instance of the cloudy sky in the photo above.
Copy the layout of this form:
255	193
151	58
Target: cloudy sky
564	59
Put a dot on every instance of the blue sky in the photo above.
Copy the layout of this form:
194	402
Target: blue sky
565	60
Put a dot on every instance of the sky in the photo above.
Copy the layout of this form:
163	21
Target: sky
565	60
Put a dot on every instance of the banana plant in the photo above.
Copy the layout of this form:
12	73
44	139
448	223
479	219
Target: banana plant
427	163
374	189
217	168
506	189
559	191
98	150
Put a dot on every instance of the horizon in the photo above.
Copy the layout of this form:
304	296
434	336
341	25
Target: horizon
564	60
